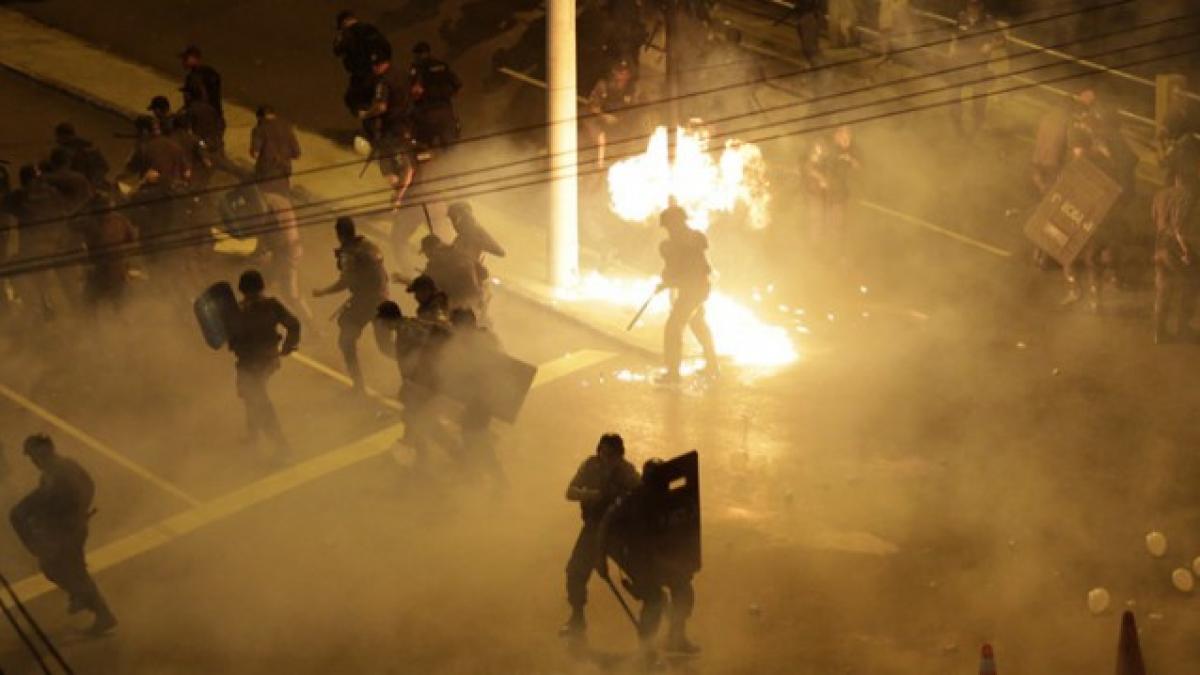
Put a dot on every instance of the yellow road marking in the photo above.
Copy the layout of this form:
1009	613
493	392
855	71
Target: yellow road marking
343	378
79	435
569	363
962	238
276	484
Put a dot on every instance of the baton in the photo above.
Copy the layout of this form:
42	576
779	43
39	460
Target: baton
428	220
645	306
371	156
621	599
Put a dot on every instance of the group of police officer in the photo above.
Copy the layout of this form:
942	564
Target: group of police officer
1087	128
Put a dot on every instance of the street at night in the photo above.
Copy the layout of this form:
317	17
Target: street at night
922	446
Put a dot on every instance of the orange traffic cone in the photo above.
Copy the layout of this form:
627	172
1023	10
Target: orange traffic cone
987	661
1129	650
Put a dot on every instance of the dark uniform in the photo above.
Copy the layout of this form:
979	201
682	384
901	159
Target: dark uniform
360	46
84	156
810	15
361	271
52	523
612	94
162	154
389	123
40	213
604	479
108	237
686	272
631	532
1175	265
976	36
434	85
255	341
203	83
468	356
454	273
827	175
274	146
417	346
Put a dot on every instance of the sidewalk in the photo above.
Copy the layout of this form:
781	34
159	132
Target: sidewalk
64	62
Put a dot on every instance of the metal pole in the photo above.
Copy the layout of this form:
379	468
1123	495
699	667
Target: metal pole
563	240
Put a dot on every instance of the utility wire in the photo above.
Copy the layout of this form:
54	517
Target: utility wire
52	262
641	138
253	219
634	106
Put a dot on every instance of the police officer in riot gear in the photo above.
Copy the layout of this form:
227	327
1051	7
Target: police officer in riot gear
600	480
52	523
686	273
416	345
434	86
360	46
361	272
632	532
254	339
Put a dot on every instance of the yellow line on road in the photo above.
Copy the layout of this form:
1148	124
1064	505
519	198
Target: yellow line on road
962	238
343	378
79	435
278	483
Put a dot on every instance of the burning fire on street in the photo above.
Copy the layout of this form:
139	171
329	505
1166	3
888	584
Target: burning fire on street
703	184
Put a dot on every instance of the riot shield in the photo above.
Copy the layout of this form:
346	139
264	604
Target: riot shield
482	374
216	309
1072	211
678	514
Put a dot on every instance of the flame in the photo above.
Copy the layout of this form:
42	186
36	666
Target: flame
737	332
640	187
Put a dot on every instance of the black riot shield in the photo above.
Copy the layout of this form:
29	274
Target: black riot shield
678	516
216	309
1072	210
485	375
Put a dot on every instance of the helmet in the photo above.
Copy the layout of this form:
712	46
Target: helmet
251	281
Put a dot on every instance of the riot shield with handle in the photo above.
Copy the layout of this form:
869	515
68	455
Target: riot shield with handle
677	514
1072	211
216	310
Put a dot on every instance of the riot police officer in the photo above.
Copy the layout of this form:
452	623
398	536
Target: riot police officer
254	339
361	272
686	273
434	86
599	481
52	523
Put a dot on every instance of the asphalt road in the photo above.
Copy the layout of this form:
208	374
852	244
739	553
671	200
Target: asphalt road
955	460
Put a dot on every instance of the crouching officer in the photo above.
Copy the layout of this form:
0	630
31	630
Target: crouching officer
52	523
416	345
255	340
636	533
599	481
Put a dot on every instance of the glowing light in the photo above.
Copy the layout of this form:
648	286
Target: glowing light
640	187
738	333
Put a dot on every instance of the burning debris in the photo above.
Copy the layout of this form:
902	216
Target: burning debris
641	187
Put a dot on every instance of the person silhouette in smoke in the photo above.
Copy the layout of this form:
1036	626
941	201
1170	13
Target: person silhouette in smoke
255	340
52	523
599	481
361	271
686	272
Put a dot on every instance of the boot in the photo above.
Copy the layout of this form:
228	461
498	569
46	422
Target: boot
1073	296
678	642
105	622
575	626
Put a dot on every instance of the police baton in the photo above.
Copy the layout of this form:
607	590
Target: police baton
428	220
645	306
621	599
